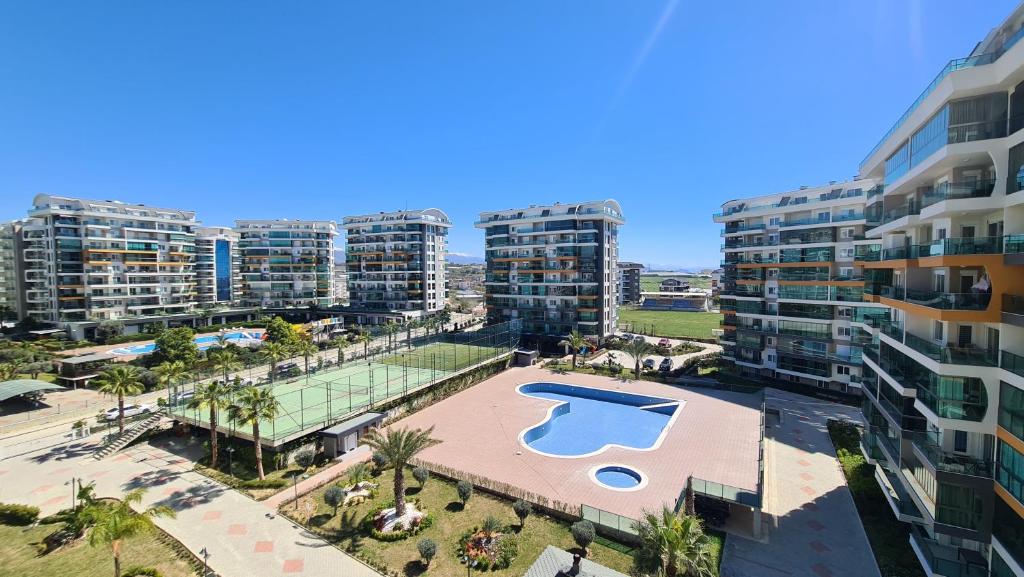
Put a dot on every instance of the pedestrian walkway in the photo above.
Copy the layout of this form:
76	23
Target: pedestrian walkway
818	532
242	537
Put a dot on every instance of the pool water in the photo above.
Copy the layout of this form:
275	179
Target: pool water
585	420
618	477
202	342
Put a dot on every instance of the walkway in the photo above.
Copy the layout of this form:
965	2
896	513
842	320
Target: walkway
818	532
241	535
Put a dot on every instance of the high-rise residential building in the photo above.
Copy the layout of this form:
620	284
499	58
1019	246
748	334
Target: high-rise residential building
218	266
92	260
793	282
340	282
397	265
554	267
286	263
629	282
10	271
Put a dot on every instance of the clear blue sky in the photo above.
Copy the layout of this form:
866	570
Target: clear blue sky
323	109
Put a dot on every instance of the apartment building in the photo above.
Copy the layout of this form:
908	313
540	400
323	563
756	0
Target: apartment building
792	285
286	263
218	266
555	267
340	282
91	260
397	265
10	270
629	282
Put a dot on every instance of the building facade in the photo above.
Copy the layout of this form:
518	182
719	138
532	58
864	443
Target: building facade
793	283
10	271
218	266
286	263
397	265
629	282
93	260
554	267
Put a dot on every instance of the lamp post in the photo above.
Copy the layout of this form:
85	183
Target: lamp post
231	463
206	556
73	493
470	563
295	486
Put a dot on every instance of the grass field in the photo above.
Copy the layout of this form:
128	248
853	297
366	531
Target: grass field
442	356
18	556
650	282
669	323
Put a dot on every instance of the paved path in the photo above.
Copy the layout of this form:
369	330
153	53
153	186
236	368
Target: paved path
818	532
244	539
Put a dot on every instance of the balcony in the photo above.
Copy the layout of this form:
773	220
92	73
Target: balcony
937	300
1013	363
949	354
927	444
1013	310
958	191
959	246
947	560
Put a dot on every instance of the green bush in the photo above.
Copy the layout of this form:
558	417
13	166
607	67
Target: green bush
264	484
138	571
508	550
583	533
465	489
522	510
427	549
421	474
19	515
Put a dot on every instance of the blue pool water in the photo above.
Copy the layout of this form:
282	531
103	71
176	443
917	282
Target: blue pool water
618	477
587	420
202	342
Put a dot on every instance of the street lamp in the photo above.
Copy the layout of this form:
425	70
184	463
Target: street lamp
206	556
73	493
231	462
469	564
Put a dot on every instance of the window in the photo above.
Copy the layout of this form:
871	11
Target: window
846	233
774	221
938	331
846	271
846	253
771	358
824	216
773	272
960	441
842	370
845	312
843	331
939	284
771	290
769	342
940	234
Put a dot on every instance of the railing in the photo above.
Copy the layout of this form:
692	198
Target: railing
792	203
959	246
726	492
951	355
938	300
944	559
928	443
958	190
1012	362
608	519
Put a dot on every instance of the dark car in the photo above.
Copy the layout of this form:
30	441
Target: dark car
649	364
666	365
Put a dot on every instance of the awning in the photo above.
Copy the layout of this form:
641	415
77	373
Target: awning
17	387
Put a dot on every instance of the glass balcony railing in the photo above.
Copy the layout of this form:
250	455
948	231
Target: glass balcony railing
1013	244
961	398
928	442
947	560
949	354
1012	362
959	246
957	191
938	300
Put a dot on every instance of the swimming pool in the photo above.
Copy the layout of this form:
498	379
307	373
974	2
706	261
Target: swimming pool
618	477
238	338
586	421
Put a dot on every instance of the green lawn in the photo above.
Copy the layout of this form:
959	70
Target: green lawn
669	323
440	499
442	356
888	537
18	555
651	282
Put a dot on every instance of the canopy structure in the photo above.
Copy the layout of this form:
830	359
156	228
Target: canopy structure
17	387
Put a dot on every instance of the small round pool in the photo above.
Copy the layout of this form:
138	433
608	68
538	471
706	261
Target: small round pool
618	477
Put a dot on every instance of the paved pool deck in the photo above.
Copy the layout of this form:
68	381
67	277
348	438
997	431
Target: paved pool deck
715	437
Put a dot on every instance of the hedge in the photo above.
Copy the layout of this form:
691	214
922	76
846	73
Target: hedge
20	515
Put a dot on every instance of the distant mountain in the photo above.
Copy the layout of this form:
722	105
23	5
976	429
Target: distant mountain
463	258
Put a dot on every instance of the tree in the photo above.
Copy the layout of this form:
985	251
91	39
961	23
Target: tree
400	445
281	331
465	490
358	473
409	326
334	497
364	339
223	361
380	462
214	396
690	505
390	329
305	458
109	329
274	353
672	544
177	344
522	510
252	406
421	474
427	549
113	524
583	533
339	343
637	348
574	341
445	316
9	371
170	373
121	381
306	349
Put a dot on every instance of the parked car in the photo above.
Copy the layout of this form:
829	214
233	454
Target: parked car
649	364
285	368
184	397
664	343
666	365
638	338
129	411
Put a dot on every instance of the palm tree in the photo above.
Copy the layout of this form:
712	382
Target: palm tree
112	524
250	407
9	371
171	373
121	380
398	446
430	325
339	343
306	348
574	341
274	353
215	396
223	361
364	339
672	545
637	348
391	329
445	316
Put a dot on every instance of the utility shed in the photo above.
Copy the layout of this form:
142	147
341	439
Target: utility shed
344	436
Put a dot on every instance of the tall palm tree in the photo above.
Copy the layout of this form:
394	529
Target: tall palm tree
672	544
251	406
409	326
364	339
306	349
274	353
120	380
171	373
445	316
224	361
215	396
339	343
112	524
574	341
430	325
398	446
391	328
637	348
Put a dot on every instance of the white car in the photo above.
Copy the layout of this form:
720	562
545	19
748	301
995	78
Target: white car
129	411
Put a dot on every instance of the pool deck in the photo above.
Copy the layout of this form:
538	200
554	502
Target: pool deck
715	437
108	348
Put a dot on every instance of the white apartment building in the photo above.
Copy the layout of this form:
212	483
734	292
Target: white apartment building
554	267
10	307
91	260
792	285
218	266
286	263
397	264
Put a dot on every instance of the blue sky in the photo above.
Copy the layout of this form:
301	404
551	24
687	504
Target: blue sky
324	109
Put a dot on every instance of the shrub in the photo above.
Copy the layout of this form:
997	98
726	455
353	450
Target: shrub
141	572
334	497
522	510
465	489
508	549
15	514
491	525
427	549
421	474
264	484
583	533
380	462
305	458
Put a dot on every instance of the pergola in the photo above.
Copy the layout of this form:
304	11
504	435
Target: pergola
17	387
